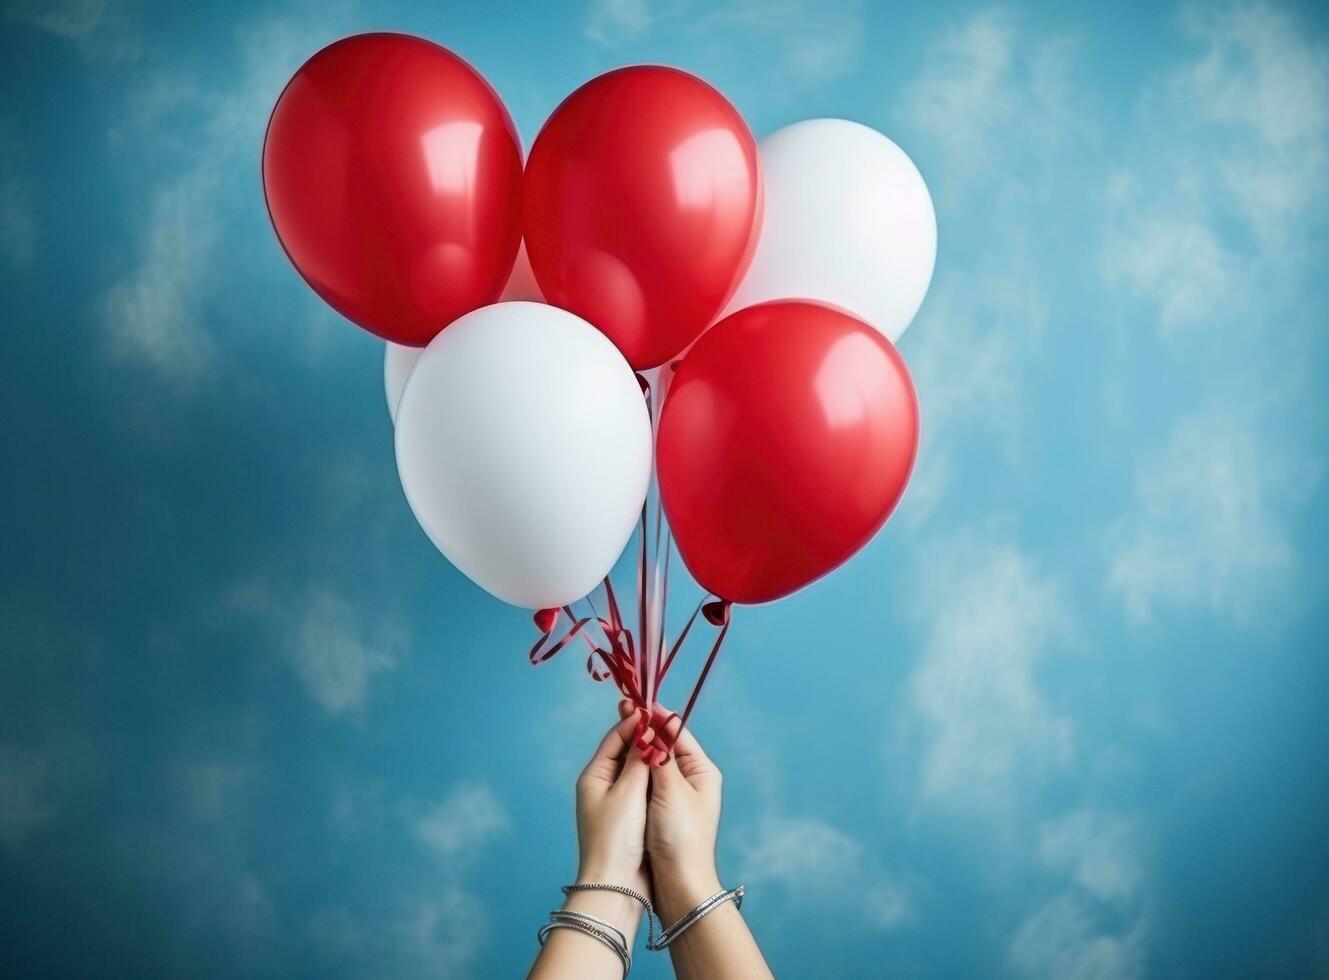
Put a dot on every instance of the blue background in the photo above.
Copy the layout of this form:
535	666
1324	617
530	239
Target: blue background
1063	717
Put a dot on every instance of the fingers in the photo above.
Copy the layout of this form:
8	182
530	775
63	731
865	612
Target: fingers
609	753
635	774
687	751
659	743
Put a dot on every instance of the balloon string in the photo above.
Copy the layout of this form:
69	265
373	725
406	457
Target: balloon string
664	605
701	679
641	605
660	581
661	547
648	570
615	615
717	613
617	654
678	645
591	603
622	663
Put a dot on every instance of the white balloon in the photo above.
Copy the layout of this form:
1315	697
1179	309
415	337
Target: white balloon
524	448
848	221
398	360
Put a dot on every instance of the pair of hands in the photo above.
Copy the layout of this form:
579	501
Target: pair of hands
648	820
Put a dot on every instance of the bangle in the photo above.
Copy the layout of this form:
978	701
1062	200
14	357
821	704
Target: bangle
630	893
564	915
708	906
564	920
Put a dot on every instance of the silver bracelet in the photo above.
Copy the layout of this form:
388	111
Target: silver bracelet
586	929
629	893
590	920
708	906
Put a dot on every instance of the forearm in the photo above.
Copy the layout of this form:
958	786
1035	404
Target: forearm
571	954
717	947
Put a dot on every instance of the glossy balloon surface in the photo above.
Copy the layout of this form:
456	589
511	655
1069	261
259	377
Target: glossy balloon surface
642	203
848	221
524	449
786	440
393	177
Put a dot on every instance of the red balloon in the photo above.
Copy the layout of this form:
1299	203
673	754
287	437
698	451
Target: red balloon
642	207
786	440
393	177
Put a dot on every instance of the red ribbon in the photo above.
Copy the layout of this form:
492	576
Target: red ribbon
617	653
619	656
637	672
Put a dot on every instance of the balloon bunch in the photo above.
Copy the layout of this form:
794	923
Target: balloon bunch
650	288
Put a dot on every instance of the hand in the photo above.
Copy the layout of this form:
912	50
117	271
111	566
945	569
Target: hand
682	822
611	809
611	825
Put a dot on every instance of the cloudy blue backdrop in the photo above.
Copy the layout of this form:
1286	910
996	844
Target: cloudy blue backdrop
251	724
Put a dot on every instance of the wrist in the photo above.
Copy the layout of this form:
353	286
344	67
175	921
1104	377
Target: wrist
620	911
609	873
680	889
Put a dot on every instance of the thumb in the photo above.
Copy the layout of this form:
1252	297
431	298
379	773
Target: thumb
666	778
636	773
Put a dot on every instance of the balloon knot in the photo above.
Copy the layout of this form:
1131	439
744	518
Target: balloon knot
717	612
546	620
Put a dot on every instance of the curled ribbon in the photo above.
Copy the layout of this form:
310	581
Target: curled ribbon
619	657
